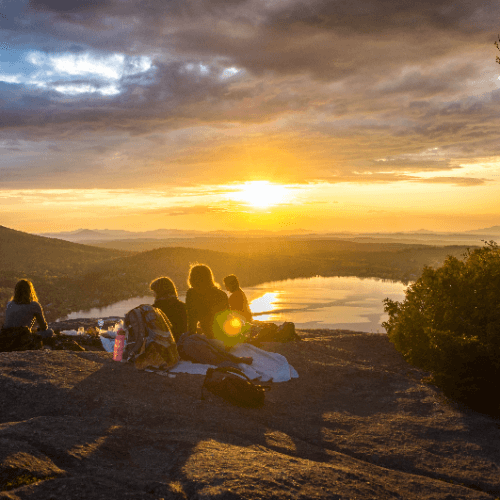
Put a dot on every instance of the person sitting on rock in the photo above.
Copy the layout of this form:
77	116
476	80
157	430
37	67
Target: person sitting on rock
21	313
237	300
167	301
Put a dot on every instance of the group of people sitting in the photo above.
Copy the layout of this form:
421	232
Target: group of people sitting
208	310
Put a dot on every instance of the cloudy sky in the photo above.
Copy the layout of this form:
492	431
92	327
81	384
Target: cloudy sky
329	115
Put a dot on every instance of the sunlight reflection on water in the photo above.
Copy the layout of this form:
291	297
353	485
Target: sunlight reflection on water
265	303
348	303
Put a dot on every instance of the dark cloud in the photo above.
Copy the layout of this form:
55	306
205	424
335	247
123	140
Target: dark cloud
63	6
324	88
412	165
173	93
391	177
458	181
382	15
327	39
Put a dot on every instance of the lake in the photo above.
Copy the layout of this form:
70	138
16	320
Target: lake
347	303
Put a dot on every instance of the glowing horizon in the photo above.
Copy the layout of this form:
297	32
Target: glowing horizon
113	124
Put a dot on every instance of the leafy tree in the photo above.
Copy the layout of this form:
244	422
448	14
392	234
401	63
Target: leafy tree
449	324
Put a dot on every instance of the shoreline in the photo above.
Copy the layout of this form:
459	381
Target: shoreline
110	321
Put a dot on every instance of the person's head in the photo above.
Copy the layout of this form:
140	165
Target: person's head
24	292
200	276
163	286
231	282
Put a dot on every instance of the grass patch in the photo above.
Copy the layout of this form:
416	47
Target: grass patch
10	480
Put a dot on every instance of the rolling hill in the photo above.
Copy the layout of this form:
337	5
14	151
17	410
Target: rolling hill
26	253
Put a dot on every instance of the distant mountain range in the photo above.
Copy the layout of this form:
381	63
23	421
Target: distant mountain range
423	236
160	234
488	230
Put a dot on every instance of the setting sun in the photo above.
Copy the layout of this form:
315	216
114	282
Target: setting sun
261	194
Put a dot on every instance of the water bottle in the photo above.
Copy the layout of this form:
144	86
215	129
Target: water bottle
100	322
119	345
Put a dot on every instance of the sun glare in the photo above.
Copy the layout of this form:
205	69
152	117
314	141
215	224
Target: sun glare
261	194
264	303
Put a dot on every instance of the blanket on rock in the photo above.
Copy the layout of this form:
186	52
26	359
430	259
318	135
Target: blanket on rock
266	366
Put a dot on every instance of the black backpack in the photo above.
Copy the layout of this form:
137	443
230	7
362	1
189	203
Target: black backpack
234	386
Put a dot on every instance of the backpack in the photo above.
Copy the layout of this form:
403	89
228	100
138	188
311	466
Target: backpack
234	386
150	343
272	333
198	349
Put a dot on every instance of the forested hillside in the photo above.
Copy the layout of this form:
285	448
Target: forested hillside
134	273
70	277
308	257
50	263
40	255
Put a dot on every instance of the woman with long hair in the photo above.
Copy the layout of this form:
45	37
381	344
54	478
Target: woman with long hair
204	300
168	301
207	309
23	311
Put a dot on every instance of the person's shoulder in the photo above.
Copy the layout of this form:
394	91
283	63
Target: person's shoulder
179	303
35	304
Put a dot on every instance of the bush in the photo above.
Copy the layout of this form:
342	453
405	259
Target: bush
449	324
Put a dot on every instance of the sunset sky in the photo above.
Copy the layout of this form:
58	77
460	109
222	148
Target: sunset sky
326	115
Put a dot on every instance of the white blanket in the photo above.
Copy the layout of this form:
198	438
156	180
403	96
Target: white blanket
266	366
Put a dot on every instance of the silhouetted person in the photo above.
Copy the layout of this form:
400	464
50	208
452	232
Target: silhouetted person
203	301
167	301
21	314
24	310
237	300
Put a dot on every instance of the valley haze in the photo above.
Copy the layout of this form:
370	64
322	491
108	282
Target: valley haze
473	237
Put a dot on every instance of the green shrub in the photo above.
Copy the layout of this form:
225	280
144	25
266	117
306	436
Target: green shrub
449	324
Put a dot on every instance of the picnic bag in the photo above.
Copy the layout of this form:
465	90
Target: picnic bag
234	386
272	333
150	343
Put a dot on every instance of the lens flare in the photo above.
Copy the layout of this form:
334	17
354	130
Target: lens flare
232	326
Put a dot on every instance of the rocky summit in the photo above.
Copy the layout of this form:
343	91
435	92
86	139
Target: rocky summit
358	423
